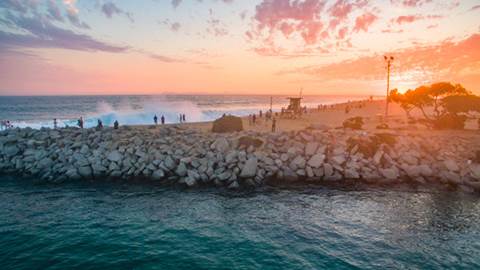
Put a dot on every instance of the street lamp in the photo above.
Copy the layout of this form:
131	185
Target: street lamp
388	60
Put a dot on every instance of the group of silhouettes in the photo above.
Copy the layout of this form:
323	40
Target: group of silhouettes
116	124
252	118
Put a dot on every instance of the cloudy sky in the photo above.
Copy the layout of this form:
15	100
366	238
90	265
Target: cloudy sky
50	47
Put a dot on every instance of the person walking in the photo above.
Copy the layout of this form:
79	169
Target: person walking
183	116
254	119
115	124
155	119
274	124
54	123
162	119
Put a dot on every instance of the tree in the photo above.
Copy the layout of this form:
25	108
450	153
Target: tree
447	100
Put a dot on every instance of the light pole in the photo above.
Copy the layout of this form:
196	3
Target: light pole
388	60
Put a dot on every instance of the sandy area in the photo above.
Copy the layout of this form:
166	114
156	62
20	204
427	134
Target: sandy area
371	111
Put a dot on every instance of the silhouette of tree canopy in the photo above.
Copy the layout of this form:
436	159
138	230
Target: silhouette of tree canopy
447	100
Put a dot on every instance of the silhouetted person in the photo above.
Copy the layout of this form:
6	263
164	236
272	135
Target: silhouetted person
274	124
254	119
155	119
55	123
162	119
183	117
115	124
99	124
260	114
80	122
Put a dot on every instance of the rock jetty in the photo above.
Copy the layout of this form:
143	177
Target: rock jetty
174	154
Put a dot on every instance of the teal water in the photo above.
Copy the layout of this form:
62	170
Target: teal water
143	226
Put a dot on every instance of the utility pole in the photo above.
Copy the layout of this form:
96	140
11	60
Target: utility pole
388	60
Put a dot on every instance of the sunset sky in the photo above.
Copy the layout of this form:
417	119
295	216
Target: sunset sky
50	47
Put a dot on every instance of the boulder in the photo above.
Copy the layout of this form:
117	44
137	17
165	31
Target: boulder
11	150
311	148
250	168
316	160
390	173
220	145
327	170
181	170
227	123
451	165
85	171
114	156
158	174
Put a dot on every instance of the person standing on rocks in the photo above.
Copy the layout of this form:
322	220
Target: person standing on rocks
254	119
162	119
274	124
80	122
115	124
155	119
99	124
54	123
183	118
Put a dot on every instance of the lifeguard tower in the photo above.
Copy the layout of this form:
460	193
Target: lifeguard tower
294	108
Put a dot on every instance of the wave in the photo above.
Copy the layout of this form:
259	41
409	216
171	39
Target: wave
141	112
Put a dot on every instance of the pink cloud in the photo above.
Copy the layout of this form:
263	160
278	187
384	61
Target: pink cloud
448	60
307	23
363	22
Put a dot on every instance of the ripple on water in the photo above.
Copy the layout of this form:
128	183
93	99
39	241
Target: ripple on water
95	226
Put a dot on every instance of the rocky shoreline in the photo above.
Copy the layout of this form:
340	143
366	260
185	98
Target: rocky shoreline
177	154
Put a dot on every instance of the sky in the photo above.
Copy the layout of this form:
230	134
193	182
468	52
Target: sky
76	47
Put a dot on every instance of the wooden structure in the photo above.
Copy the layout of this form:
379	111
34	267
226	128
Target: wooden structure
294	108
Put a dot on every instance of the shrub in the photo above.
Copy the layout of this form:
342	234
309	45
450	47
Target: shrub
450	121
353	123
248	141
383	126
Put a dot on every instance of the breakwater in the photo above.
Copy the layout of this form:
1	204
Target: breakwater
191	157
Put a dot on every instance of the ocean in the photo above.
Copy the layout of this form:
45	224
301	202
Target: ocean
39	111
142	225
124	225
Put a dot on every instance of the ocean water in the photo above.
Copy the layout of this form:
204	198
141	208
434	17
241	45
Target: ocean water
144	226
39	111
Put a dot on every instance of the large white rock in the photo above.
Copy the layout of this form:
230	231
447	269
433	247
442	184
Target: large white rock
390	174
158	174
299	162
316	160
115	156
181	170
451	165
311	148
250	168
328	170
220	145
475	168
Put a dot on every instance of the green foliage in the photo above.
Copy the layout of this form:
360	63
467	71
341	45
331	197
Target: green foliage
353	123
370	145
450	121
461	103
